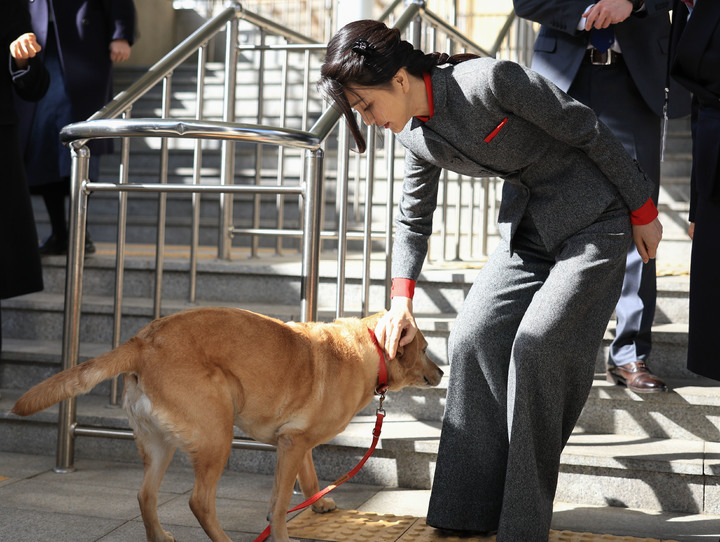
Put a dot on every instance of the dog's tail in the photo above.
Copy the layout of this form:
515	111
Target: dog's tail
79	379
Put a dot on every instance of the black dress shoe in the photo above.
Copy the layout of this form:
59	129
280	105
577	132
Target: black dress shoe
89	245
53	246
636	376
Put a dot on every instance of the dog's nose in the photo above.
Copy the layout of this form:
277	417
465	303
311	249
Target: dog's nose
434	380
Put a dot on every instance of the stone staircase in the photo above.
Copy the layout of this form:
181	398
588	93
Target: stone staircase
656	452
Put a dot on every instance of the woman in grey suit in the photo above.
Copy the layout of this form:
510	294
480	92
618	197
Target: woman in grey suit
523	347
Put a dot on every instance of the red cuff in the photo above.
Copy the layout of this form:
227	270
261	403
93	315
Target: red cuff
402	288
645	214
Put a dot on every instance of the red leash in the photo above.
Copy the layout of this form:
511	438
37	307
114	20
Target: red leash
380	390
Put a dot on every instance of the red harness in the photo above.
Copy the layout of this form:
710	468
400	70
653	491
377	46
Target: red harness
380	390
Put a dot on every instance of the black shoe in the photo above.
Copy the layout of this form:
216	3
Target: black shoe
89	245
53	246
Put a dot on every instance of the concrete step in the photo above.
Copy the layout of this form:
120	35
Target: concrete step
689	411
39	317
271	284
274	279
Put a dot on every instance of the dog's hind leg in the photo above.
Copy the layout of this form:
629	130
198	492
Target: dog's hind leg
209	459
156	453
309	485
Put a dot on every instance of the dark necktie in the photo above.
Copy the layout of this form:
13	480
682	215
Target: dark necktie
602	38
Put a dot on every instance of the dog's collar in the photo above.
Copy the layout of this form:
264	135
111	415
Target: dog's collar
382	382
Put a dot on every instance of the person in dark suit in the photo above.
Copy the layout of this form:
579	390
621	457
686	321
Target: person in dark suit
20	270
696	65
622	76
81	40
522	349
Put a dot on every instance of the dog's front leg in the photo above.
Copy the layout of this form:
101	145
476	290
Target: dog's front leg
290	452
309	485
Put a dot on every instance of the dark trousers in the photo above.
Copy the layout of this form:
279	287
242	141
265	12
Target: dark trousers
704	339
612	94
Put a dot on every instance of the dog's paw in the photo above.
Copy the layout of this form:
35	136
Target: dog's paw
162	536
324	505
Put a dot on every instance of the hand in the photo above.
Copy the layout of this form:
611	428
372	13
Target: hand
24	48
691	230
647	238
119	50
397	327
607	12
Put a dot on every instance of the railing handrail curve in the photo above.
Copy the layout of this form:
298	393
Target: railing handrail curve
188	128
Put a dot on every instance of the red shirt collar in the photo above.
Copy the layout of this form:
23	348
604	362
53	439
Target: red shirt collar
428	87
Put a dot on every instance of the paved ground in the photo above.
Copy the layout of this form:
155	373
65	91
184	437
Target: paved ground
98	502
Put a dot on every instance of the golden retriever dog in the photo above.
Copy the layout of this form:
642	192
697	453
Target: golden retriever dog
189	377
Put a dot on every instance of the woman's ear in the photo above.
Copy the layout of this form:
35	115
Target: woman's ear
402	78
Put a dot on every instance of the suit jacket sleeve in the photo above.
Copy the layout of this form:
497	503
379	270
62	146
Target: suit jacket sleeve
122	19
31	83
561	15
414	217
564	15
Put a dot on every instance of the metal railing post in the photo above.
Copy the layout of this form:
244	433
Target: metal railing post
367	222
314	174
227	166
343	181
120	257
257	200
389	212
65	458
197	174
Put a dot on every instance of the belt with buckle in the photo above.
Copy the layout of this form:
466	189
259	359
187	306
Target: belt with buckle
596	58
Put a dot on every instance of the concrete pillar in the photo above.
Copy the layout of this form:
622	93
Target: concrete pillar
354	10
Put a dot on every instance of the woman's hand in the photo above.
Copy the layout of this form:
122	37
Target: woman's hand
119	50
397	327
647	238
24	48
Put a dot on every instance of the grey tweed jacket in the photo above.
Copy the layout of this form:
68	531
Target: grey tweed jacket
562	167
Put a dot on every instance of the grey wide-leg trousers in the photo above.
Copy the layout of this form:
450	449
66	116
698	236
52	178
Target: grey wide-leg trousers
522	354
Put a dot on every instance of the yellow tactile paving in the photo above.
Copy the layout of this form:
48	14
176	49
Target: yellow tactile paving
347	525
354	526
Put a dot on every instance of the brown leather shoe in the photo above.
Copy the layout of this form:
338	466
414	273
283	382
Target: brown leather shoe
636	376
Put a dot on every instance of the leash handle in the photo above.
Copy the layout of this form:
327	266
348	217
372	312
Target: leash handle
320	494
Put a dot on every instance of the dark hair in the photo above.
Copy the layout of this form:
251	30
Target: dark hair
367	53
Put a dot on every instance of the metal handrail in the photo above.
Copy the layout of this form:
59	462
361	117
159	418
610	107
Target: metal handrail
188	128
104	124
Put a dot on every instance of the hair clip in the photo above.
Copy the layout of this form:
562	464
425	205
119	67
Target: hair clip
363	47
